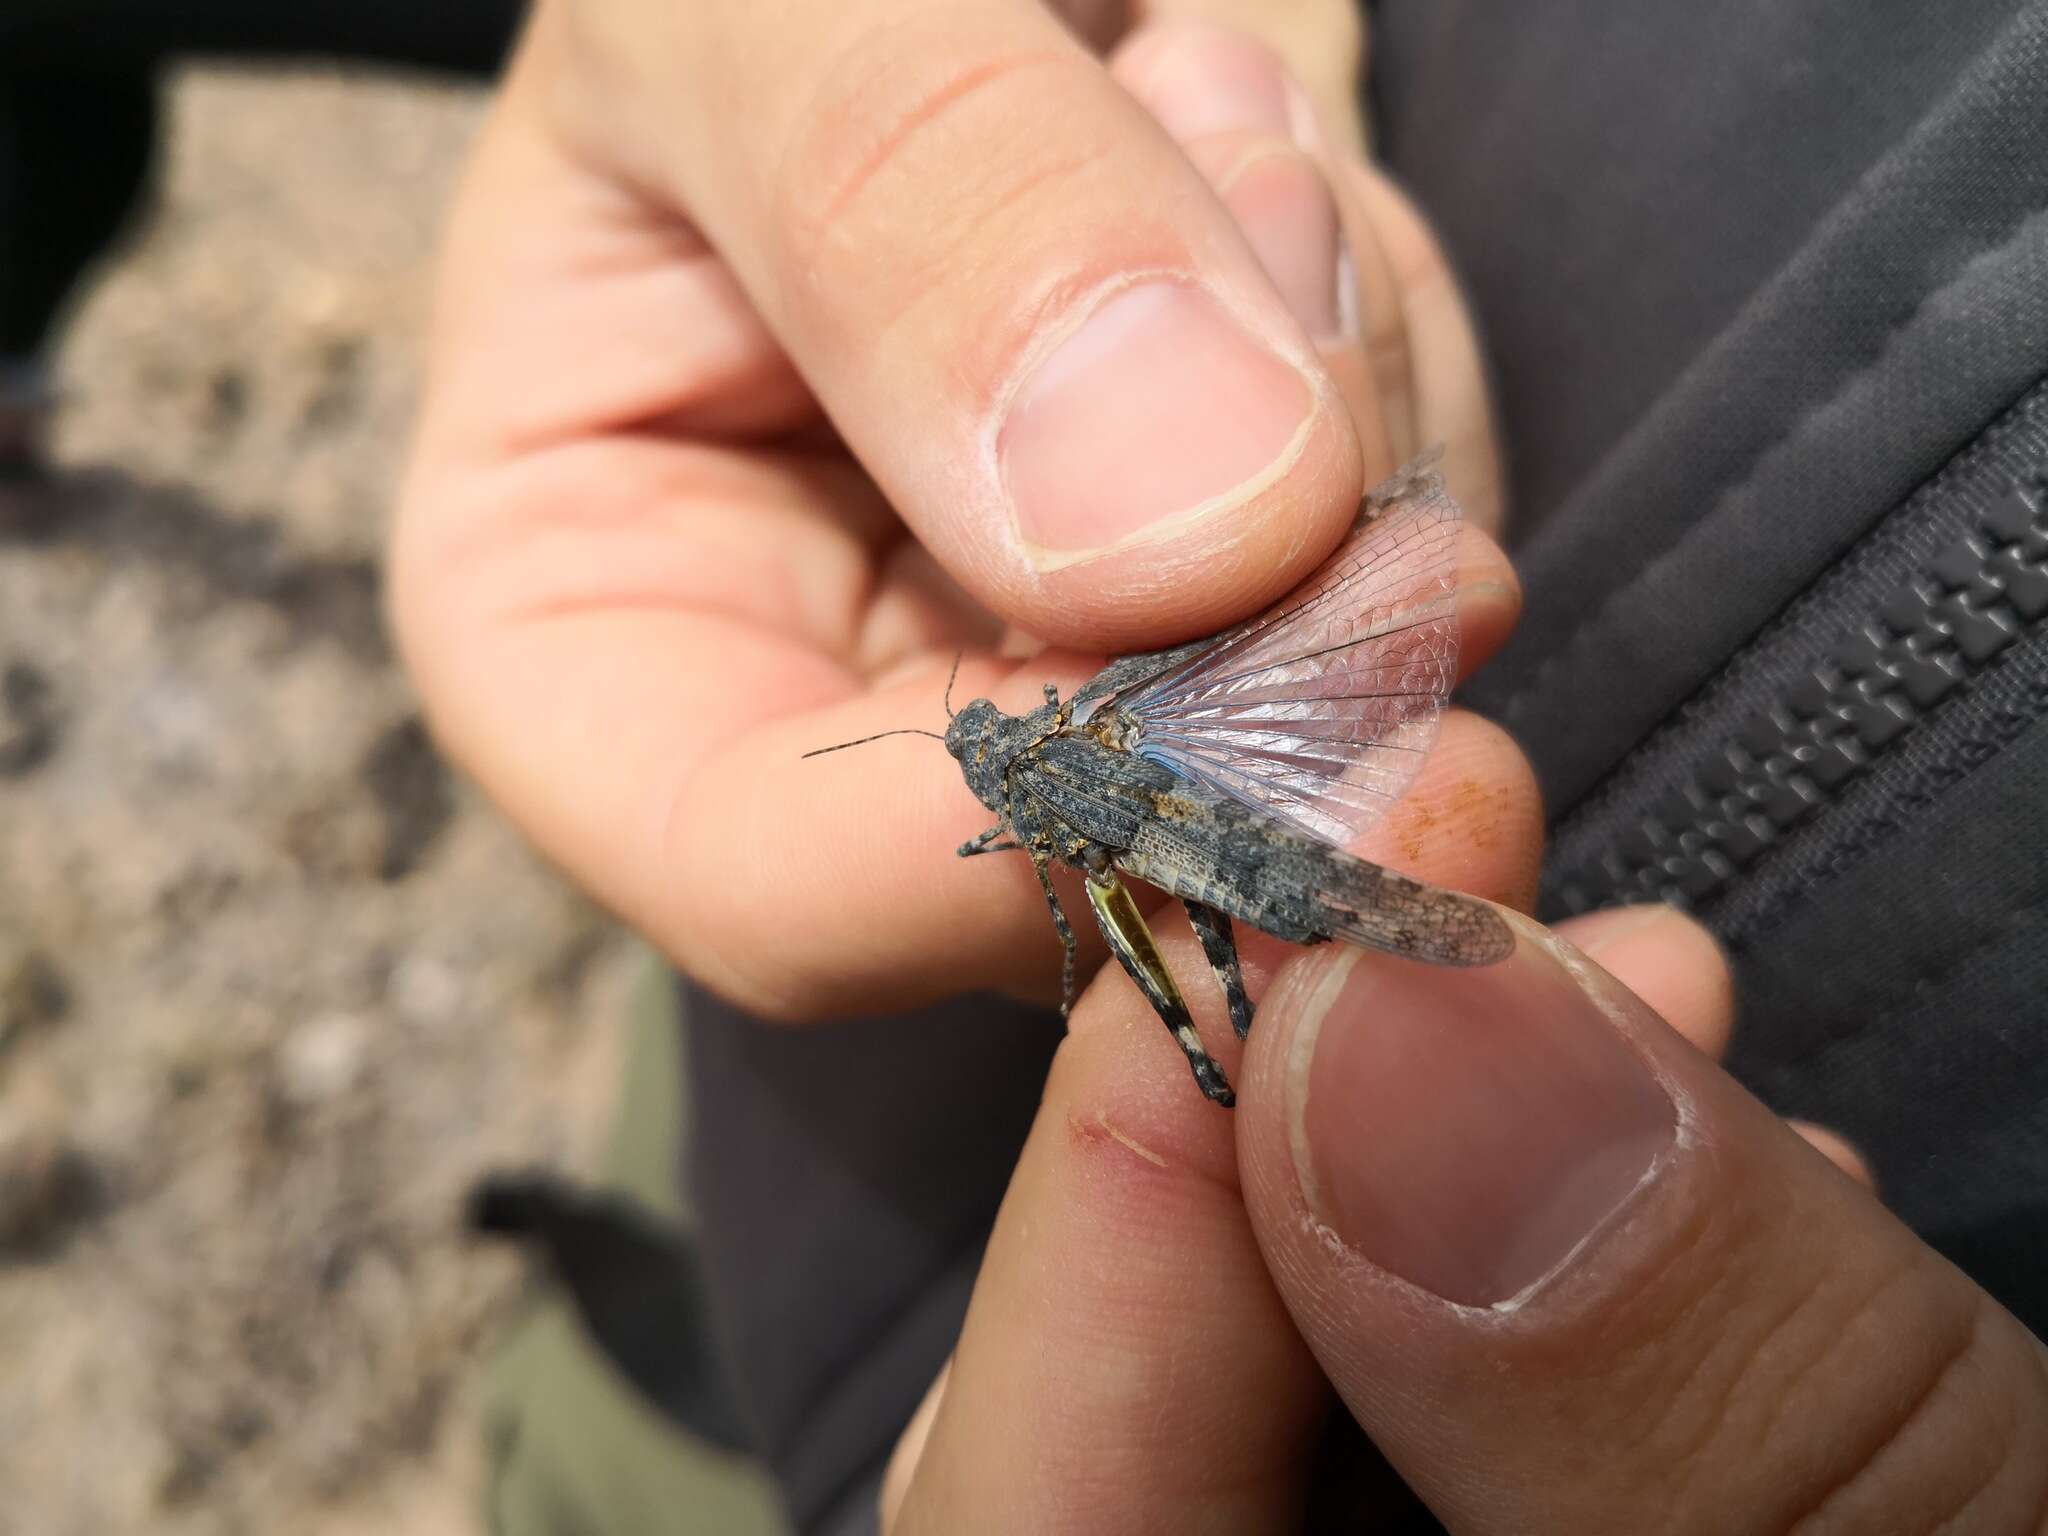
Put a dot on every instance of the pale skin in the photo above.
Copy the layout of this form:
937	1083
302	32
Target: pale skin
637	576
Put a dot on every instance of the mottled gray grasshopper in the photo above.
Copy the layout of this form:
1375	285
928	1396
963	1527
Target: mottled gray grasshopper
1224	771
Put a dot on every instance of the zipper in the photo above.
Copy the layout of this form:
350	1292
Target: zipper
1913	659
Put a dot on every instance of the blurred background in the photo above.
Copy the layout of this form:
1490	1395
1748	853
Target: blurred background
275	987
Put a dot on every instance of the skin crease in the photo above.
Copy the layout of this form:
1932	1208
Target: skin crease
698	391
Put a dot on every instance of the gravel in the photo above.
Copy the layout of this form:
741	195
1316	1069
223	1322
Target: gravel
275	986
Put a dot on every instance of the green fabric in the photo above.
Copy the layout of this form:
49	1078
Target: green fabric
573	1452
573	1449
647	1137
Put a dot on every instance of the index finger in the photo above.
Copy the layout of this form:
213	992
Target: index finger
1125	1364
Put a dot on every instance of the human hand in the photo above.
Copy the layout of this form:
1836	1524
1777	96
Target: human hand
1565	1273
636	576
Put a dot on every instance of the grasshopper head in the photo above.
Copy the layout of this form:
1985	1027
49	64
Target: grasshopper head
974	739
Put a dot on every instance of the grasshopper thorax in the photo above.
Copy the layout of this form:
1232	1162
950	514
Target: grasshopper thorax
984	740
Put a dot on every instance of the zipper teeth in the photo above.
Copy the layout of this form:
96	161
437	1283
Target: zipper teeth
1966	608
1981	723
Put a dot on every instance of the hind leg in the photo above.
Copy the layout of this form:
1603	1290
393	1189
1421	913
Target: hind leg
1213	929
1131	942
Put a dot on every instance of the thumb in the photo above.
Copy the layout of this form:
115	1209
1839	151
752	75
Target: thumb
1023	308
1569	1276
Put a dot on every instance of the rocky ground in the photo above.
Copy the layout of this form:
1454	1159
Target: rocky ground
274	987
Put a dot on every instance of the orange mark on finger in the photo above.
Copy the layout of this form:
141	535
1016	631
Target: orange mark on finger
1482	814
1417	822
1100	1127
1475	805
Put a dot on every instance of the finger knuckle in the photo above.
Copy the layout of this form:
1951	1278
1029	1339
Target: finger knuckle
1944	1430
1876	1396
925	155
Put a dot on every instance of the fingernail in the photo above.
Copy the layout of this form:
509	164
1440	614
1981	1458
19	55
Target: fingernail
1619	925
1205	81
1158	409
1469	1130
1283	203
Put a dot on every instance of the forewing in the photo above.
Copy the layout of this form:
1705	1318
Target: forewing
1205	846
1399	916
1321	710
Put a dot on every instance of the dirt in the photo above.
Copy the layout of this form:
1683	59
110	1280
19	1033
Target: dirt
275	986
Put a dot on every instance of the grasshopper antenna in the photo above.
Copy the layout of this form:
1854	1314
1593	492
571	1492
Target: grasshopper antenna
948	700
910	730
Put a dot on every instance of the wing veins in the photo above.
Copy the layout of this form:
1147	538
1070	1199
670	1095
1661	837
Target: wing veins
1338	585
1330	650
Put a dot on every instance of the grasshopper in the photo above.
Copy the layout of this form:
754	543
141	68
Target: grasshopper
1226	771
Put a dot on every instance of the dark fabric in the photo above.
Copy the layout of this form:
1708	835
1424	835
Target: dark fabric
845	1180
1618	183
1901	1003
1908	315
